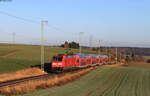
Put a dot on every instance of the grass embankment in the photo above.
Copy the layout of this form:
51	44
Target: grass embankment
17	57
42	84
21	74
107	81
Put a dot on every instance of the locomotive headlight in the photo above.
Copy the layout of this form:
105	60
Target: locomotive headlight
54	63
59	63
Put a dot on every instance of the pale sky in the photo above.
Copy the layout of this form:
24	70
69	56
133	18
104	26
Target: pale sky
115	22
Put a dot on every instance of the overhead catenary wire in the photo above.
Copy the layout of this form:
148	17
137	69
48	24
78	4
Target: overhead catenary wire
18	17
30	21
49	26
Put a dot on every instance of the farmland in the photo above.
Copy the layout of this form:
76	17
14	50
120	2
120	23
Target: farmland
106	81
142	65
16	57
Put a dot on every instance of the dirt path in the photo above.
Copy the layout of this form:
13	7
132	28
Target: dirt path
9	54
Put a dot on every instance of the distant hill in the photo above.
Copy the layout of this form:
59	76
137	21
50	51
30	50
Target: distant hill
135	50
125	50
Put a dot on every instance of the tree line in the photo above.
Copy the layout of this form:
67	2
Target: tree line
70	45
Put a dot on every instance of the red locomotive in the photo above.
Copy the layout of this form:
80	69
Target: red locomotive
77	60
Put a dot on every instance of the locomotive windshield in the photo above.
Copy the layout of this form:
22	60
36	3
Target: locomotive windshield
57	58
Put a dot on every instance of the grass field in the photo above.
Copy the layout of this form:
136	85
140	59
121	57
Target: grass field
108	81
16	57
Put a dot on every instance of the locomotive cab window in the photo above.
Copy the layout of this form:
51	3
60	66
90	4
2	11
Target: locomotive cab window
57	58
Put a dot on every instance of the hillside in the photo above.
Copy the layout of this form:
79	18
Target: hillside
16	57
128	50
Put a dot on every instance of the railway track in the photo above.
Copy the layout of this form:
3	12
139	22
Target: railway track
22	80
32	78
40	77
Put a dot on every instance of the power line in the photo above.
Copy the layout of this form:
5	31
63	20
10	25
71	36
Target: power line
17	17
28	20
56	28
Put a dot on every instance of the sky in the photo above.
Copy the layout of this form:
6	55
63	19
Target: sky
114	22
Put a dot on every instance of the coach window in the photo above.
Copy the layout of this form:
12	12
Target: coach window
88	60
69	56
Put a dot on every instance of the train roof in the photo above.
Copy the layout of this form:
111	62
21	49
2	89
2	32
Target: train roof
83	55
105	56
92	55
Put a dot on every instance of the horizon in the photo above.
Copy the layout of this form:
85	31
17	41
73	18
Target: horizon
59	45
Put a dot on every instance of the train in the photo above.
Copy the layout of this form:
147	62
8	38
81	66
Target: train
62	62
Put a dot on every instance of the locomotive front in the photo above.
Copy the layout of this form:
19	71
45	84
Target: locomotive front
57	63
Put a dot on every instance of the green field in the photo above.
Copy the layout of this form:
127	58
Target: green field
119	81
16	57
